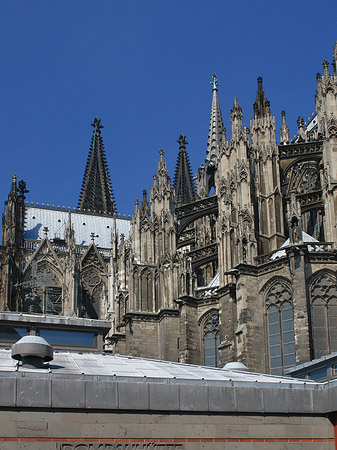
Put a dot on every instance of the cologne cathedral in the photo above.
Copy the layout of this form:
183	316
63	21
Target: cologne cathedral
237	263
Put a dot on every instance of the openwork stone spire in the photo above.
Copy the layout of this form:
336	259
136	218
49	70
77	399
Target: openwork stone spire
183	182
96	194
215	124
261	105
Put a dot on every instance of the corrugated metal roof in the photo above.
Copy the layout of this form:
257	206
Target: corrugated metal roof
84	224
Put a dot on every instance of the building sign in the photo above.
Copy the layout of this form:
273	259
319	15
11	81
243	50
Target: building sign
118	446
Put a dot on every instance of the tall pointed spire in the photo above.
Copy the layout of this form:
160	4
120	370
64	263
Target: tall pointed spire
261	105
96	194
183	182
215	124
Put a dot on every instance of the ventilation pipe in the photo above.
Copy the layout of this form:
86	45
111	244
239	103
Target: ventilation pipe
236	365
33	351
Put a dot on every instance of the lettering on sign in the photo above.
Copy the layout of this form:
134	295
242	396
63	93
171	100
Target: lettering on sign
118	446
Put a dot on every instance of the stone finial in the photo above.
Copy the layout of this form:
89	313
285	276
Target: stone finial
325	64
22	188
300	122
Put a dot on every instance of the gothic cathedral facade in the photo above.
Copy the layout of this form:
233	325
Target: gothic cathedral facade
236	264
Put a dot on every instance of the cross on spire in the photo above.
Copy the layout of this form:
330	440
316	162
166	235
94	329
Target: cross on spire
214	81
93	236
97	124
182	141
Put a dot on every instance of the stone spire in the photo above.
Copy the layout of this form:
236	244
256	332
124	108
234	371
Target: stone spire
215	124
236	119
284	131
96	194
14	187
144	208
183	182
261	105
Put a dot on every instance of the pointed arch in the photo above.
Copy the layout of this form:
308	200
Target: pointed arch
323	312
277	294
146	289
210	329
43	288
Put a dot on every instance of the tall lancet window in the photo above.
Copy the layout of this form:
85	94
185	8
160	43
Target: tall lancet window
323	296
280	324
211	340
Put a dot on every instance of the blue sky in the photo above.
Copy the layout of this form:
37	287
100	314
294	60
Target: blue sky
143	66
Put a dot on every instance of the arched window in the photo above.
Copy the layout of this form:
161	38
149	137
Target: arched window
280	323
211	340
43	293
323	296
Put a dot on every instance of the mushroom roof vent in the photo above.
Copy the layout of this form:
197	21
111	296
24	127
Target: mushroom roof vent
33	351
236	365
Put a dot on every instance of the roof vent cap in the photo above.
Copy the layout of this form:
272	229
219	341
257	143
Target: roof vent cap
236	365
33	351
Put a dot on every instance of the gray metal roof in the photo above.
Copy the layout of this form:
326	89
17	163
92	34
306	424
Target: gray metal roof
84	224
130	366
106	382
313	363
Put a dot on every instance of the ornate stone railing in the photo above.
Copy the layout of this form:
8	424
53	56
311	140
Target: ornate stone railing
61	248
303	148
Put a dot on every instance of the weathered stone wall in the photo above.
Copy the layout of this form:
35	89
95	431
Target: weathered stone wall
168	338
190	340
142	338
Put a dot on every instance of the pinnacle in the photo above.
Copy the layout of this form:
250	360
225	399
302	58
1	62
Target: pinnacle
261	105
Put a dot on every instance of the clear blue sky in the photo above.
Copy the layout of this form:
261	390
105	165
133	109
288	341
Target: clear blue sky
143	66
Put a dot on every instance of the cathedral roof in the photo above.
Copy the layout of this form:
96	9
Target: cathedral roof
96	194
36	218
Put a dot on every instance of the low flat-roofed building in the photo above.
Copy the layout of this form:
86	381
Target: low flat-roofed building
320	369
102	401
63	333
